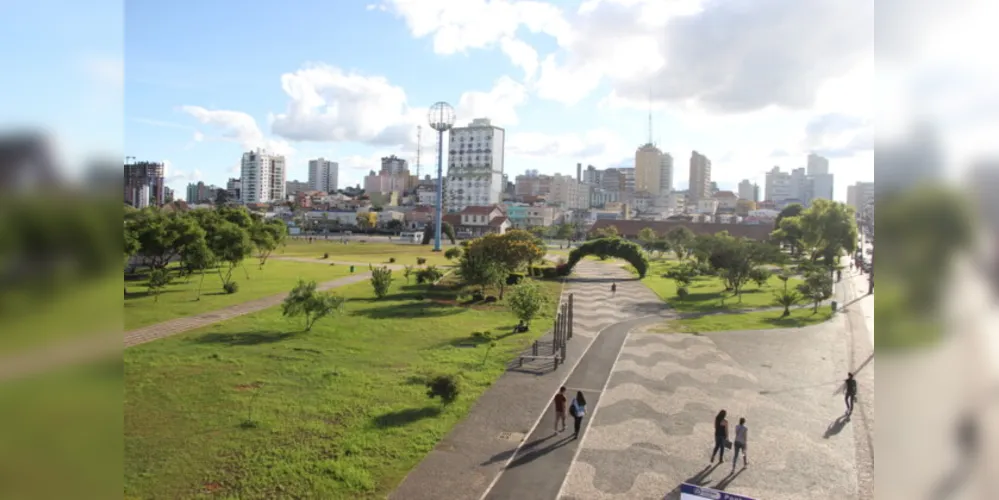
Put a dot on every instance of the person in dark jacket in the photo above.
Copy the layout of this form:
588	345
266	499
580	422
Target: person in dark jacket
578	410
721	437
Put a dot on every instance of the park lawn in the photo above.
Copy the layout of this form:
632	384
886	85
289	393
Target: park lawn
707	293
67	312
254	408
373	253
754	320
177	300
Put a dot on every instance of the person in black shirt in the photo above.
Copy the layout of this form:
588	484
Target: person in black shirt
851	392
721	437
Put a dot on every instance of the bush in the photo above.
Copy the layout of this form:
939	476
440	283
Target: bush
381	280
420	261
514	279
527	301
682	292
326	255
446	387
549	273
452	253
391	260
428	275
490	299
609	247
231	287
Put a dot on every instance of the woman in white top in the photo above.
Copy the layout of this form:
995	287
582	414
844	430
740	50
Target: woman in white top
741	436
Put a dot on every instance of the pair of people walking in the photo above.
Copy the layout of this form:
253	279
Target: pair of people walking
722	441
577	409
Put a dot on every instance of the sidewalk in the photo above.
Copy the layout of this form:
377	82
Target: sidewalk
503	427
358	265
181	325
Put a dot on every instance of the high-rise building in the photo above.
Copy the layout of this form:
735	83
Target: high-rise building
394	165
779	187
144	184
798	185
648	169
475	165
295	187
262	177
748	190
817	165
201	193
592	176
860	195
700	178
666	175
324	175
233	189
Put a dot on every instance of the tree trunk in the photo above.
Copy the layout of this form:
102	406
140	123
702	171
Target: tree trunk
787	312
201	283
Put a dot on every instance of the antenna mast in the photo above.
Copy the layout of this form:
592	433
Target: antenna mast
419	142
650	115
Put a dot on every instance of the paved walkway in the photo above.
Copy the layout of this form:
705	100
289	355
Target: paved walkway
652	427
359	265
486	454
181	325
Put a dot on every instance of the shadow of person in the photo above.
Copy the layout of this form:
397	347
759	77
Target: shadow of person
836	426
727	480
699	479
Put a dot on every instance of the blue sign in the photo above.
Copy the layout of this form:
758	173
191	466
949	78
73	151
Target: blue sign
691	492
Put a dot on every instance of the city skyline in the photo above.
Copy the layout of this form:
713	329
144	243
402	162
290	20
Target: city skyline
560	103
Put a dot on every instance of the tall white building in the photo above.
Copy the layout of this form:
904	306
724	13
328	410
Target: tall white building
569	193
262	177
475	166
394	165
747	190
666	175
779	186
817	165
324	175
798	185
860	195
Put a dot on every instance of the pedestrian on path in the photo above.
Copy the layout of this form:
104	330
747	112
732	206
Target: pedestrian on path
560	401
613	288
721	437
851	393
578	410
741	438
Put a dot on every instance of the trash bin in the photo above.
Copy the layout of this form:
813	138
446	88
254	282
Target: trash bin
833	305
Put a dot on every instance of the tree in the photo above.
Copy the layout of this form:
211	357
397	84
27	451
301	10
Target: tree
407	271
158	280
792	210
452	253
540	231
789	233
683	275
395	225
605	232
429	275
660	246
527	301
680	241
131	247
163	236
564	232
198	258
786	298
231	245
367	220
828	228
446	231
481	272
381	280
304	300
446	387
736	259
510	251
267	236
647	236
760	276
817	287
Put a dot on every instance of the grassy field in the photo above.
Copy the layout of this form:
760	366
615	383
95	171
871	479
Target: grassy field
707	293
354	251
254	408
179	298
756	320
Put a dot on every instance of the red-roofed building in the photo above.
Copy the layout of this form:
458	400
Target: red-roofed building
475	221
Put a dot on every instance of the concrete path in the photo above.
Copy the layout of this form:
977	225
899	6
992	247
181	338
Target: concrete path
510	425
358	265
181	325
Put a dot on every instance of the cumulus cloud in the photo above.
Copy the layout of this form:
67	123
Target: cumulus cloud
595	146
239	127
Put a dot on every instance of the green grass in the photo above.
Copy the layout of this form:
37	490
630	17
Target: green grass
707	293
354	251
67	311
179	298
254	408
756	320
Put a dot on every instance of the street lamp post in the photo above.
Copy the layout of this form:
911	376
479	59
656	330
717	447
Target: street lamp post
441	118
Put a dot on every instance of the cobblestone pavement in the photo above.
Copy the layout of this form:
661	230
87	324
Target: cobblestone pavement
359	265
180	325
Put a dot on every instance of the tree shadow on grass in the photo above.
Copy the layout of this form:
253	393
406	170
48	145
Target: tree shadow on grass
420	309
813	318
243	339
405	417
146	293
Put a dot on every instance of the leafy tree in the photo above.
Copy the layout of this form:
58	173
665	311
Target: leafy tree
163	236
429	275
198	258
786	298
231	245
381	280
647	236
828	228
446	387
564	231
447	230
789	233
158	280
702	246
735	259
760	276
407	271
817	287
482	272
267	236
680	241
395	225
605	232
305	300
452	253
792	210
540	231
367	220
683	275
660	246
131	247
510	251
527	301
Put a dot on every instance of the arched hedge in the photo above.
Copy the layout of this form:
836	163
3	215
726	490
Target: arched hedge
611	247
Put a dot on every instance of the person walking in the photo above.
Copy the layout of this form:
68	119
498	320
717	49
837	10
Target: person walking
613	288
560	401
721	437
851	393
578	410
741	435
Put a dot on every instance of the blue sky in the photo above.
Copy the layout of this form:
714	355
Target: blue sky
569	81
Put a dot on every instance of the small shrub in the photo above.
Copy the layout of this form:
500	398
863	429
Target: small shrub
428	275
452	253
381	280
549	273
420	261
682	292
478	297
490	299
514	279
231	287
326	255
446	387
391	260
158	280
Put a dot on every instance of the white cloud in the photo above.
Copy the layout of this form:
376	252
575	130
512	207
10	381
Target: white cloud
596	146
238	127
107	71
522	55
499	104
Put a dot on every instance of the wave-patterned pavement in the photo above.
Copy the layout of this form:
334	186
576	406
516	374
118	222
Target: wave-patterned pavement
653	430
595	307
